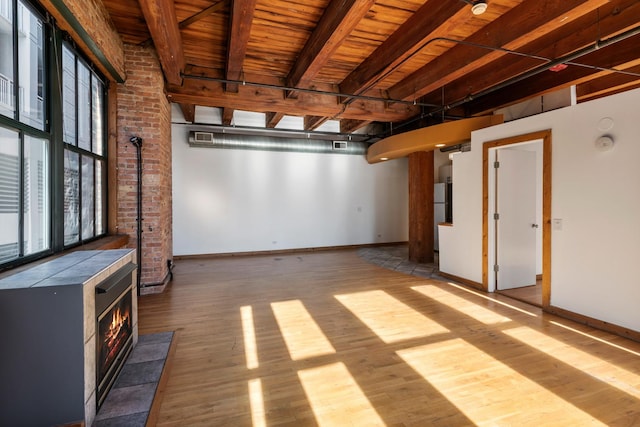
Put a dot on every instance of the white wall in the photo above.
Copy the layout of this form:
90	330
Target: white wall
227	201
594	193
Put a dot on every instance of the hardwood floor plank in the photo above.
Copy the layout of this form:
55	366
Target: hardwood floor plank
456	356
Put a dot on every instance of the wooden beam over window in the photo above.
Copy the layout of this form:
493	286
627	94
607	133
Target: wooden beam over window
189	112
314	122
272	119
338	21
227	116
163	26
242	12
348	126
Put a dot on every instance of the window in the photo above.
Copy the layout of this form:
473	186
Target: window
47	205
83	134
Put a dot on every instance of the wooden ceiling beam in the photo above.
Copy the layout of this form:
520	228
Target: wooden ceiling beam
608	92
241	18
516	28
403	43
612	56
202	14
613	18
338	21
605	85
272	119
269	100
313	122
160	16
227	116
349	126
189	112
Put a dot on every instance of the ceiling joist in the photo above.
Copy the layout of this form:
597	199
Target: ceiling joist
616	17
161	20
512	30
401	44
241	19
408	63
611	56
338	21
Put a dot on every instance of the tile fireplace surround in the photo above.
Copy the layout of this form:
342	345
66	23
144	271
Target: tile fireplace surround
48	336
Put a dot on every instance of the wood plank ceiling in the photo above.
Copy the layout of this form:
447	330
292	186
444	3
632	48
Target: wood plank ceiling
389	61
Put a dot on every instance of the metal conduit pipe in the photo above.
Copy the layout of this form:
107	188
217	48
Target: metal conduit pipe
266	143
137	143
297	89
567	59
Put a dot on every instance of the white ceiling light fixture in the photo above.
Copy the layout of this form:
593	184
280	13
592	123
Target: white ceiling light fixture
479	7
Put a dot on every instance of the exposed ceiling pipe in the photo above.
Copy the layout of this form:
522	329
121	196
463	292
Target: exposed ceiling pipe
268	143
297	89
283	133
567	59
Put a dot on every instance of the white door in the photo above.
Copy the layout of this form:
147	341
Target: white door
516	224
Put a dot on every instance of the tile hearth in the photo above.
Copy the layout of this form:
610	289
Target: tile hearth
129	401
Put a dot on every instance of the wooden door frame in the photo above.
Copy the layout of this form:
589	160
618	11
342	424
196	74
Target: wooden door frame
545	136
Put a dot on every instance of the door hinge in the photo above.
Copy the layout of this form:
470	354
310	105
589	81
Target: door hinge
496	165
496	268
496	216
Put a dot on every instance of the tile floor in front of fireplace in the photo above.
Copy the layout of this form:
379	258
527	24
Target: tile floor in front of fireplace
129	400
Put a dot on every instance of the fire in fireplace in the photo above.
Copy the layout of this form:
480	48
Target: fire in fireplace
114	329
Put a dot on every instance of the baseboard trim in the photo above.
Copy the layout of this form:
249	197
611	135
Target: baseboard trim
462	280
286	251
595	323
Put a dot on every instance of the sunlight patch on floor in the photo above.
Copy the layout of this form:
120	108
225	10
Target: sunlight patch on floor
388	318
479	313
619	347
493	299
256	400
302	335
336	399
487	391
591	365
249	334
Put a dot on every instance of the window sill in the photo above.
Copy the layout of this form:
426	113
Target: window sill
115	241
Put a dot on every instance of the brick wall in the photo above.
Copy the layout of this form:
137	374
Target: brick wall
94	18
143	110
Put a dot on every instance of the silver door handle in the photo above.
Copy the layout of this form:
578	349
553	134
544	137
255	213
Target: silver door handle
534	225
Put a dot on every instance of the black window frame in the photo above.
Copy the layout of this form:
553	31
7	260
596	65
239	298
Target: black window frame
54	39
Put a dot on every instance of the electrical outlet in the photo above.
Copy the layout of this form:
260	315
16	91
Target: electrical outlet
557	224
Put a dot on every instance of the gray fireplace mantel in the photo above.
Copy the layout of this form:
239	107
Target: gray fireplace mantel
48	338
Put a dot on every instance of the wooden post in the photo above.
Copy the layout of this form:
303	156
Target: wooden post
421	206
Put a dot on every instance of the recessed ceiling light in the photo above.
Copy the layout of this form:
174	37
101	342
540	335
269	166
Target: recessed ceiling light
384	158
440	145
479	8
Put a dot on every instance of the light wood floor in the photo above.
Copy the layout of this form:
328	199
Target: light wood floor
326	339
529	294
